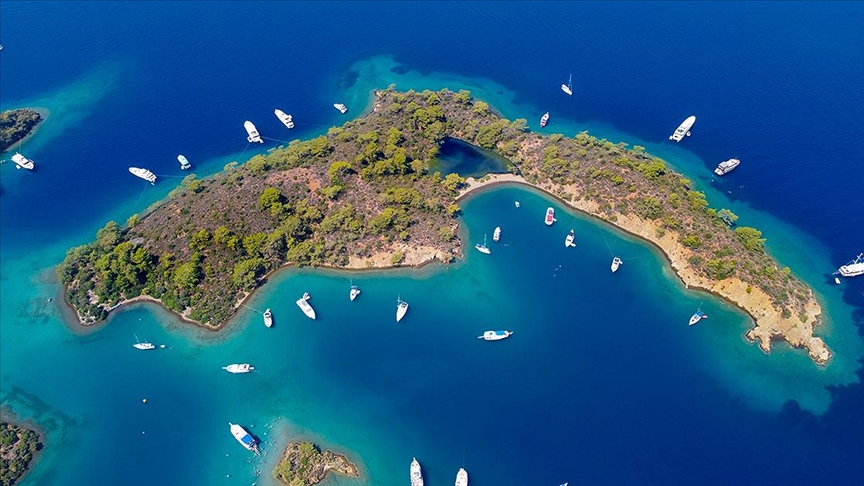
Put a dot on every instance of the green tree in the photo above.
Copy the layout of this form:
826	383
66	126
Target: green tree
728	217
750	237
453	182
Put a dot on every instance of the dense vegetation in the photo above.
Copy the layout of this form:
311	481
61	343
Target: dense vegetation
304	465
15	125
363	186
17	448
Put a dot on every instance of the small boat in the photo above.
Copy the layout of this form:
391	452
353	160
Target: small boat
544	120
616	262
837	280
517	204
401	308
462	477
144	174
339	106
698	316
853	268
268	318
145	345
285	118
550	216
568	88
482	248
497	234
495	335
184	163
238	368
568	242
355	291
683	129
726	166
253	132
307	309
22	162
416	474
244	438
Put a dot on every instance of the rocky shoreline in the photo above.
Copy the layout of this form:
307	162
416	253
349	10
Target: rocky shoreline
303	464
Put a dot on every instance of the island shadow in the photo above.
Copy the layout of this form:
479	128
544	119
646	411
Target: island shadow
467	160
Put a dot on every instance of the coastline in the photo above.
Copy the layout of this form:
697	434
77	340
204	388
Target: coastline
769	324
7	415
44	113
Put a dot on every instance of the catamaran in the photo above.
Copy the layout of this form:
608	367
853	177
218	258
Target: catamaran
698	316
401	308
616	262
726	166
544	119
145	345
268	318
497	234
307	309
853	268
482	248
238	368
253	132
495	335
184	162
416	475
342	108
22	162
683	129
355	291
568	88
568	242
144	174
244	438
284	118
550	216
462	477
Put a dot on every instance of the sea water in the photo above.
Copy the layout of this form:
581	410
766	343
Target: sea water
602	382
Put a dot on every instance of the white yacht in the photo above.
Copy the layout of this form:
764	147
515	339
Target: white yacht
268	318
550	216
698	316
238	368
307	309
184	162
497	234
616	262
355	291
853	268
462	477
683	129
401	308
339	106
482	248
244	438
517	204
568	242
253	132
544	120
495	335
285	118
145	345
568	88
726	166
144	174
22	162
416	474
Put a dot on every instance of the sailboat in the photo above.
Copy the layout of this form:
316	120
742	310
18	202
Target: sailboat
355	291
568	88
482	248
401	308
698	316
145	345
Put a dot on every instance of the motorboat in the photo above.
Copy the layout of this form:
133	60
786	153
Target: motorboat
495	335
568	242
244	438
268	318
238	368
303	303
616	262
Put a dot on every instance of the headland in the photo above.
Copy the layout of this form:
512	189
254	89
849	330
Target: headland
303	464
17	125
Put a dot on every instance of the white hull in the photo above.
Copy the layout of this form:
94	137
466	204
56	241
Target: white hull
416	473
567	89
22	162
517	204
268	318
683	129
497	234
495	335
483	249
698	316
184	162
238	368
616	262
307	309
568	242
253	137
144	174
726	166
550	216
853	268
339	106
354	292
144	346
285	118
544	120
462	477
401	309
244	438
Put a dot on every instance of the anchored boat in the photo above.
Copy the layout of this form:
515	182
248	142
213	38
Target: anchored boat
698	316
726	166
285	118
568	242
544	120
22	162
244	438
616	262
268	318
401	308
853	268
184	163
550	216
495	335
683	129
238	368
568	88
253	132
307	309
342	108
144	174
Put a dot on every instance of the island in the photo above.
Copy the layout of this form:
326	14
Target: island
15	125
362	195
18	447
303	464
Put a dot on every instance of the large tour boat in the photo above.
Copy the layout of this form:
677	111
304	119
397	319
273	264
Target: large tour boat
616	262
550	216
285	118
144	174
244	438
726	166
253	132
401	308
342	108
238	368
698	316
497	234
495	335
462	477
416	474
22	162
683	129
303	303
268	318
853	268
544	120
568	241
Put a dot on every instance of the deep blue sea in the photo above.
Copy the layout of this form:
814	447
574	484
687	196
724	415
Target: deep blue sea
602	382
